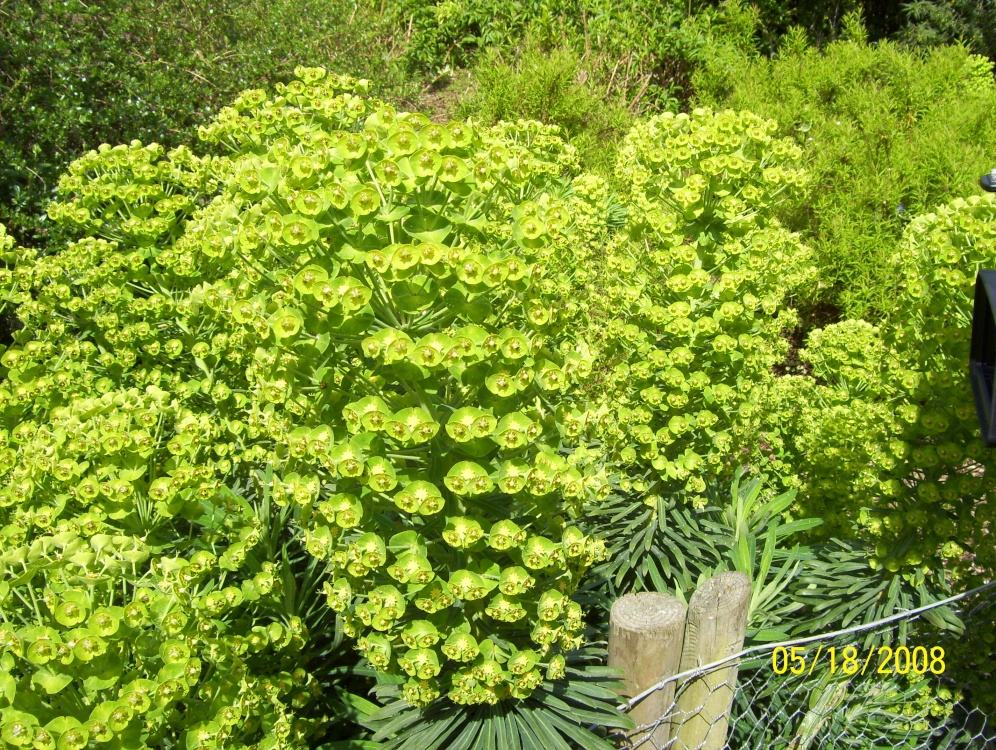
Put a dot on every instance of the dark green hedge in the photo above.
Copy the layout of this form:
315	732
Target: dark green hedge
74	75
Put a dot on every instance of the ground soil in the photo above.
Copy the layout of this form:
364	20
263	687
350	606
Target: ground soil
440	99
820	315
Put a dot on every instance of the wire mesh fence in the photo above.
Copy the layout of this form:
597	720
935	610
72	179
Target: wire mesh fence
900	682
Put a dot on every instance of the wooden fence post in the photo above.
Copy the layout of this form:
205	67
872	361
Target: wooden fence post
645	635
714	630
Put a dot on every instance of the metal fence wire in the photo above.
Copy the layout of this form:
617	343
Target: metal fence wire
895	683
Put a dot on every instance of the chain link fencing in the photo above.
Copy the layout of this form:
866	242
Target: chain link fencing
895	683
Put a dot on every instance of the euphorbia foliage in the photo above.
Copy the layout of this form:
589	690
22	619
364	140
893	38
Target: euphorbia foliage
692	303
883	439
349	317
389	365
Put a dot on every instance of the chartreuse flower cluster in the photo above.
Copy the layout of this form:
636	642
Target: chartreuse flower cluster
135	608
693	299
131	193
351	316
883	438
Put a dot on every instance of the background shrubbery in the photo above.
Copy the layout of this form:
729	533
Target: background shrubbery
74	75
544	85
888	134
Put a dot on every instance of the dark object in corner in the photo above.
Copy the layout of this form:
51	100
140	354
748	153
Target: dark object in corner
988	182
982	360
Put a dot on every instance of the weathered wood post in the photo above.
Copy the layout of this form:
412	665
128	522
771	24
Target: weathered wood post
714	630
645	635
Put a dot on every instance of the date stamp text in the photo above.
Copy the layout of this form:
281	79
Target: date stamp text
849	660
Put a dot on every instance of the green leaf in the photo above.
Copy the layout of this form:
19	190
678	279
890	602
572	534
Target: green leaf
131	738
395	213
475	310
538	721
580	735
767	555
357	706
62	724
511	731
426	226
803	524
269	175
407	542
108	669
415	294
770	635
50	682
779	504
931	616
742	558
8	688
466	739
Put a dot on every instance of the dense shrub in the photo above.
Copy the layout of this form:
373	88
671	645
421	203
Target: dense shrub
145	602
345	332
344	373
74	75
549	86
882	437
933	23
881	440
826	22
639	51
688	302
365	335
887	133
